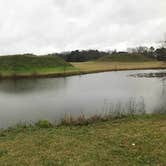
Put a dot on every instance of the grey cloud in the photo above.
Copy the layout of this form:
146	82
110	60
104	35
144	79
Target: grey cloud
59	25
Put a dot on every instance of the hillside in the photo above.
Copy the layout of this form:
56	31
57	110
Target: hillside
20	64
126	58
29	65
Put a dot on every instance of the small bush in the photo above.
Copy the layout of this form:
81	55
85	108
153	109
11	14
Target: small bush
43	124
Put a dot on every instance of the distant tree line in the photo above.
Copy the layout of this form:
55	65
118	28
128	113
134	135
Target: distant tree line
81	56
161	54
89	55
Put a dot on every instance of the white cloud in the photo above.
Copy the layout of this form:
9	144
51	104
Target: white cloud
58	25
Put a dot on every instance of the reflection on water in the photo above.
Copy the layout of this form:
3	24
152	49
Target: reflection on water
150	75
50	98
30	85
132	106
161	107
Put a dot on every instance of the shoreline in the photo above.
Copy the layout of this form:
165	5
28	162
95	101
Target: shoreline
74	73
80	121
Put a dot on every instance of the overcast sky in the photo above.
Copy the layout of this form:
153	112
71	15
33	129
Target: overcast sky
45	26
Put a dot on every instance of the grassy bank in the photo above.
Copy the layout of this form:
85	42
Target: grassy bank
139	140
99	66
20	66
30	65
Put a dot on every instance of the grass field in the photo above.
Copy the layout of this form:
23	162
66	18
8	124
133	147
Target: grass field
52	66
98	66
28	65
128	141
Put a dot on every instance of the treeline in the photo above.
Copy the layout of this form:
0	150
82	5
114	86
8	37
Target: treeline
161	54
81	56
88	55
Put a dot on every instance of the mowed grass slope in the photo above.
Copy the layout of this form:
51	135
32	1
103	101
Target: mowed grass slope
29	64
52	66
120	62
127	141
101	66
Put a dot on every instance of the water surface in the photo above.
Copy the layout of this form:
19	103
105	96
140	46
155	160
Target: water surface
50	98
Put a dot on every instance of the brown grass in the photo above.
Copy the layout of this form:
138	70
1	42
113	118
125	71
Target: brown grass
113	66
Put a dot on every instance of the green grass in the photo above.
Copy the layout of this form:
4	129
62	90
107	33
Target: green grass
140	140
51	66
21	62
31	65
126	58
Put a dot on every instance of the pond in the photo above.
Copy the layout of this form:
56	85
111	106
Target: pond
30	100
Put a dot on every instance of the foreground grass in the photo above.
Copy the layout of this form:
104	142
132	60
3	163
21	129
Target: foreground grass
127	141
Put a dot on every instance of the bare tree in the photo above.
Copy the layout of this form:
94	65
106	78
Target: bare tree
163	41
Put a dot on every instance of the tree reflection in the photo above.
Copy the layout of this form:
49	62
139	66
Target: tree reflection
162	102
32	85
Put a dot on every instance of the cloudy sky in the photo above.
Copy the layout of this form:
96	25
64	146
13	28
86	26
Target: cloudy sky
45	26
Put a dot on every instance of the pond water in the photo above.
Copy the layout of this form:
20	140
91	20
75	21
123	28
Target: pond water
30	100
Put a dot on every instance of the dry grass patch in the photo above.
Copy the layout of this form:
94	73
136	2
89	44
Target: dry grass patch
108	66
